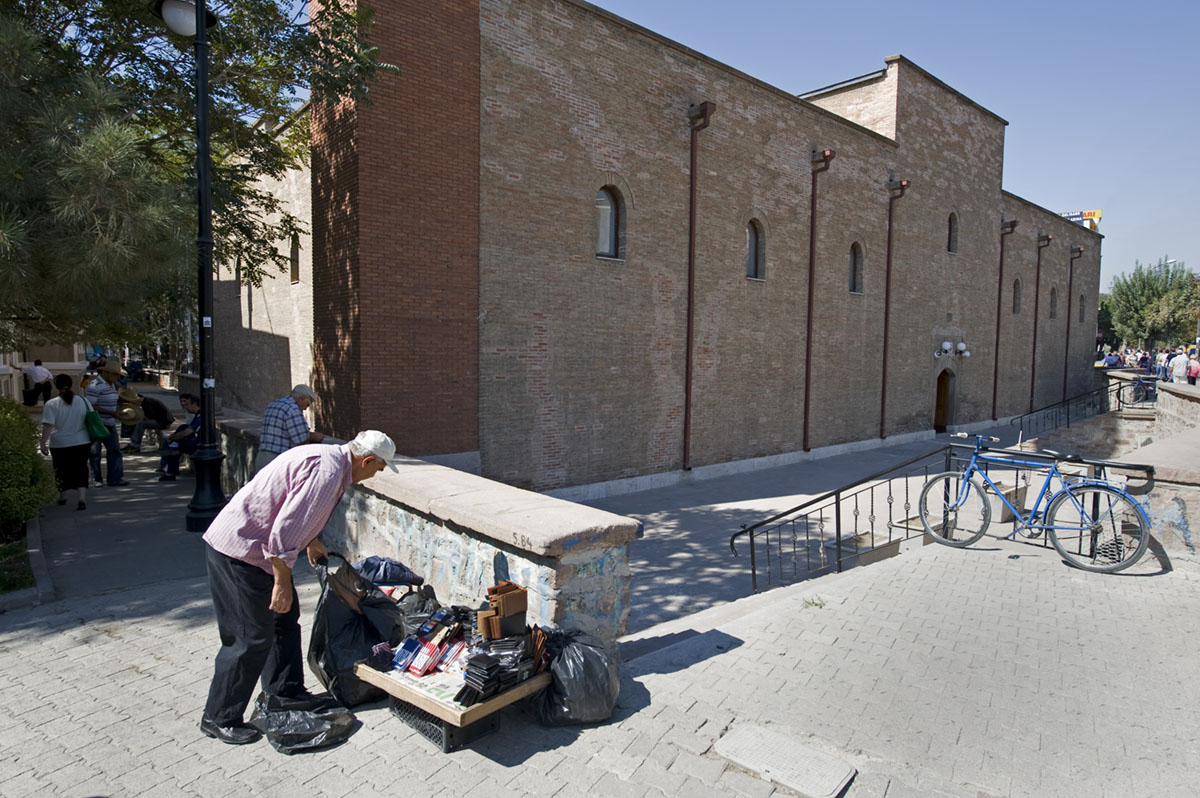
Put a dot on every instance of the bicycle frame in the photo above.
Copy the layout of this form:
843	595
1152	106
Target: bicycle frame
1032	520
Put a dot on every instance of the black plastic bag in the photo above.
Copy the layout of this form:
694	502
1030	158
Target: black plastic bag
352	615
417	606
586	680
293	725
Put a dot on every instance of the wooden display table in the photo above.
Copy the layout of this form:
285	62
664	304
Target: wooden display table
427	704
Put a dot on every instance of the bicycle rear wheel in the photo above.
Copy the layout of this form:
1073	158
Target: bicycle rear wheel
1097	528
954	511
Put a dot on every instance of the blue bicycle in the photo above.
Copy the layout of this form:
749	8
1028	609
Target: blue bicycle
1093	523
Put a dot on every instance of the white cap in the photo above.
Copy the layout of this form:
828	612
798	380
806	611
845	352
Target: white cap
377	444
304	390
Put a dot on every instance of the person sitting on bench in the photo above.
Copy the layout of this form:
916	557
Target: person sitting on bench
184	440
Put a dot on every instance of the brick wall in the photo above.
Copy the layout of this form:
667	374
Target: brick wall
396	218
582	359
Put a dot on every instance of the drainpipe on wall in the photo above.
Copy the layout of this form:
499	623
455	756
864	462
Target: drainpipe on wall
1006	228
896	189
1043	241
1076	253
699	115
823	157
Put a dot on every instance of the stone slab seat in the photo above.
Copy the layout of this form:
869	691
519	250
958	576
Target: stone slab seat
539	524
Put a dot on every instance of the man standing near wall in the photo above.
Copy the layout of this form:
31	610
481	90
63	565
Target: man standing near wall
252	546
283	426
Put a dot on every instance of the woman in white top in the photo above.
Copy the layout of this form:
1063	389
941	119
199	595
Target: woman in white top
65	439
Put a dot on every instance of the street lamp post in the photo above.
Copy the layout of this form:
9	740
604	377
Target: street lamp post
188	18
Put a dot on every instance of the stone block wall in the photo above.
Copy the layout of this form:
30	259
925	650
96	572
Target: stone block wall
1111	436
463	532
1178	410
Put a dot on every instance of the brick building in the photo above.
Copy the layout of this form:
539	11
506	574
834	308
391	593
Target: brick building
511	260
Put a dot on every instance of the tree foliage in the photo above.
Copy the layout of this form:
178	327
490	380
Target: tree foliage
1155	305
98	148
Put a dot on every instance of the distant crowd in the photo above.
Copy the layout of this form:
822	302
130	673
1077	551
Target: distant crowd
1170	364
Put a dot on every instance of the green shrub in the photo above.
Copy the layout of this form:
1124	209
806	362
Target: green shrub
26	481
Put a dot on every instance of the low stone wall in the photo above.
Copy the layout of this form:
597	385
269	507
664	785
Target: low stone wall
1178	409
1107	437
463	532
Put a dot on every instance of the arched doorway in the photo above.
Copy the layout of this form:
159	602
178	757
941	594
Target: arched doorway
943	412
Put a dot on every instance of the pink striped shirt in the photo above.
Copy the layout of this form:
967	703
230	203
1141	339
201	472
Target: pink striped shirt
283	509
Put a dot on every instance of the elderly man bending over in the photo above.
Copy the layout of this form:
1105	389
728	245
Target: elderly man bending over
283	426
252	546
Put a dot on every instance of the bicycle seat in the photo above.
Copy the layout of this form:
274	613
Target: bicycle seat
1070	458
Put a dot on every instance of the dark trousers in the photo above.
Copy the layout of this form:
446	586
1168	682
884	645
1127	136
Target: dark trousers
254	640
112	451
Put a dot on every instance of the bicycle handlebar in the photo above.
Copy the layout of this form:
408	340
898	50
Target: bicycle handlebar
987	438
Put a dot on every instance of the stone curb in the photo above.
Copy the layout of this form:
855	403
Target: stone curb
44	592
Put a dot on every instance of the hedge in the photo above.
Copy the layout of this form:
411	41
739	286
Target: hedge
26	480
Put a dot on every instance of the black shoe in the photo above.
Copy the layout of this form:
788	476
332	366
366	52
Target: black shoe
239	734
120	484
167	478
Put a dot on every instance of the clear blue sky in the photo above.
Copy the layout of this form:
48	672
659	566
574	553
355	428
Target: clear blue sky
1102	98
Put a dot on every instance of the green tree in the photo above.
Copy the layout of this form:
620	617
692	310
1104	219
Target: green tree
1150	306
1104	323
97	150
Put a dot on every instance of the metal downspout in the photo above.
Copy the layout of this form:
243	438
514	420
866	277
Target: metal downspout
699	116
1076	253
1043	241
1006	228
823	156
896	189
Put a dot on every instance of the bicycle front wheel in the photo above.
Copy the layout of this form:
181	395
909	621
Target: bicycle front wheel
954	511
1097	528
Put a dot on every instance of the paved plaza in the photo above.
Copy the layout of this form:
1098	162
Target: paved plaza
992	671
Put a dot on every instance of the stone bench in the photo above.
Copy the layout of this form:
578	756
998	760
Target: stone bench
464	532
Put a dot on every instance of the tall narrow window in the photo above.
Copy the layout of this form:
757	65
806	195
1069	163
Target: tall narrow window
1016	297
295	258
1081	308
609	224
1054	303
952	233
756	251
856	269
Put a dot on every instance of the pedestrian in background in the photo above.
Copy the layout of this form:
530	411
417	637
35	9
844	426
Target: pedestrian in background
283	426
65	438
103	395
40	378
1193	369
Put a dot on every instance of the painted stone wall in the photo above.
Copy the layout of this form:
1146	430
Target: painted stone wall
463	532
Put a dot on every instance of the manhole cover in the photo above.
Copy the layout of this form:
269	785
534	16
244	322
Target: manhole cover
785	761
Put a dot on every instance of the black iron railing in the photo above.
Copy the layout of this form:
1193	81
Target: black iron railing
872	518
1135	393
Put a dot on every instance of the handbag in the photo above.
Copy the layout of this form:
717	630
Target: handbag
96	429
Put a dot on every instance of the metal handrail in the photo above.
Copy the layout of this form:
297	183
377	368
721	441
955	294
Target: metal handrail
830	504
746	530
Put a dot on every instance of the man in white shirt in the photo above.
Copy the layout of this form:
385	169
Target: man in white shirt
1179	366
41	378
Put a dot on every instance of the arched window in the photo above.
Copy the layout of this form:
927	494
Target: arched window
1081	308
1053	303
756	251
952	233
1017	297
856	269
610	224
295	258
